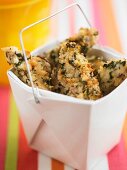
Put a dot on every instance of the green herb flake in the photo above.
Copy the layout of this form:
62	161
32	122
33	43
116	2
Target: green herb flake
19	55
110	73
84	49
123	63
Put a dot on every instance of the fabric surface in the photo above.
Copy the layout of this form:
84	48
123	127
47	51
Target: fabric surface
109	17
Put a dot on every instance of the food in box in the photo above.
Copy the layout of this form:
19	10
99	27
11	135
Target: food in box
74	127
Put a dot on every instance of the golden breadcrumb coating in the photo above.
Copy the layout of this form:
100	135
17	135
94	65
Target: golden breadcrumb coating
75	75
69	69
39	67
112	74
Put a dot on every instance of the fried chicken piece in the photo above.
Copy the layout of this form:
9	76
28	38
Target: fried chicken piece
75	74
39	67
83	40
86	37
112	74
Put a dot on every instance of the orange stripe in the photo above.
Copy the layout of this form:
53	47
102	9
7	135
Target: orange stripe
125	131
27	158
109	23
56	165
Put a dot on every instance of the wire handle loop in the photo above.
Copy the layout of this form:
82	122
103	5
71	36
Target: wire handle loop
35	89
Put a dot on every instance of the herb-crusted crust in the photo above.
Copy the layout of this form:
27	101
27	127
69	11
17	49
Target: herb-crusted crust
111	74
69	70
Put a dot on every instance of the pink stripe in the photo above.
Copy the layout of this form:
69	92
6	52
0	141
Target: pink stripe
97	21
4	109
117	158
71	18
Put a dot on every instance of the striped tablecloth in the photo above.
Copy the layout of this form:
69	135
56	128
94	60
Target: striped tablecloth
110	18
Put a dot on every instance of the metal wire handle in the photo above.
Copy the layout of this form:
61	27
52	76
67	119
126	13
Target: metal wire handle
35	90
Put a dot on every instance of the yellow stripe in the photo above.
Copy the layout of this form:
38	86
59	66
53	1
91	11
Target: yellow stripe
19	5
12	139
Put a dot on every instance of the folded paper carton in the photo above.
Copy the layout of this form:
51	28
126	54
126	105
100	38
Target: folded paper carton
76	132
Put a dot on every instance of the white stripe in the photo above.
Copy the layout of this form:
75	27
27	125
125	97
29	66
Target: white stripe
44	162
63	21
86	4
103	165
67	168
63	18
120	11
80	21
53	32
